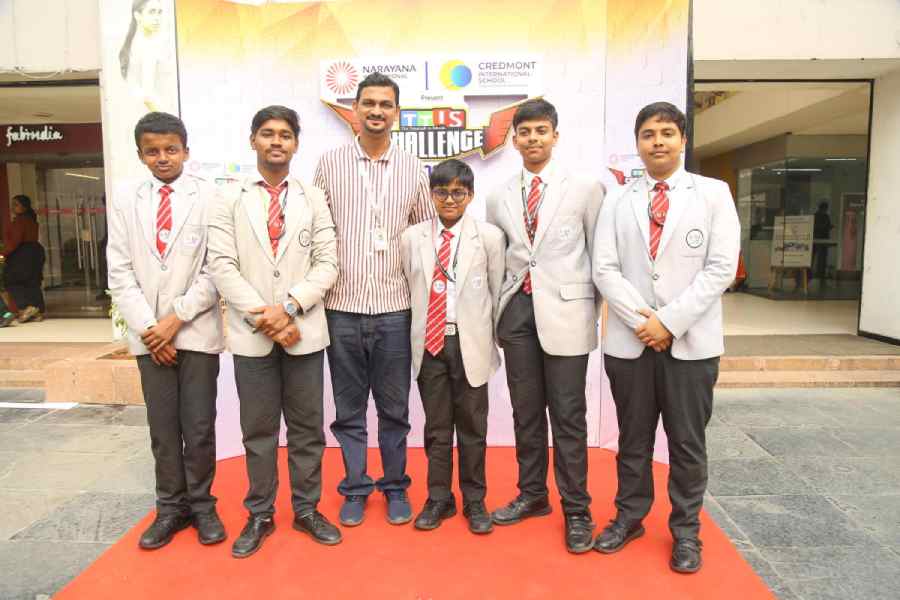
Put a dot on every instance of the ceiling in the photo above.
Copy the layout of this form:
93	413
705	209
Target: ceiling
50	104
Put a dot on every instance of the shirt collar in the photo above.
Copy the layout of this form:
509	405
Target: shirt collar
674	179
545	174
455	230
361	154
176	186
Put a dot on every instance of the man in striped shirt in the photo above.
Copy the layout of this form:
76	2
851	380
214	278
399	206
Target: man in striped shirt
375	192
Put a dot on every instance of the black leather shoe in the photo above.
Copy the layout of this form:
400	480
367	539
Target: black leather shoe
479	518
319	528
434	512
614	537
209	528
579	532
521	508
686	556
257	529
162	530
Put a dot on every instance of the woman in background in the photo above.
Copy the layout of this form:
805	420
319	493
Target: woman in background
142	54
24	257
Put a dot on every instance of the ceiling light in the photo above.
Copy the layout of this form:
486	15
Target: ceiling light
43	115
83	176
840	159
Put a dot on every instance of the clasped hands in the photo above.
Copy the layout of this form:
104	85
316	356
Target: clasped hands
275	323
158	340
653	333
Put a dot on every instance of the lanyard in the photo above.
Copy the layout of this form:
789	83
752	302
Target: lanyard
376	200
529	220
437	260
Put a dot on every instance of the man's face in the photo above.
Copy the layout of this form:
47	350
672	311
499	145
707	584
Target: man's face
451	200
535	140
164	155
376	109
274	143
660	144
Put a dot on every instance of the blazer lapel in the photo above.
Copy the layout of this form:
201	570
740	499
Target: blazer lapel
143	213
293	210
556	191
513	202
678	199
426	255
185	197
258	216
639	203
466	248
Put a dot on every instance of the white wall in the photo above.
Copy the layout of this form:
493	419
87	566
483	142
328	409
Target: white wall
881	275
796	29
49	36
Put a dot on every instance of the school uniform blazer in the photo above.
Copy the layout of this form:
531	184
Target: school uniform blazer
146	286
479	275
565	300
695	262
248	275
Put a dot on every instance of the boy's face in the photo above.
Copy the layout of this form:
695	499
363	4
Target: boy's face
535	140
164	155
376	109
274	143
451	200
660	144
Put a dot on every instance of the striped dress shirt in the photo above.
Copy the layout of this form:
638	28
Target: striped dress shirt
390	192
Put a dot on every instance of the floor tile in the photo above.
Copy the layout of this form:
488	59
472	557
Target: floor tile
835	476
754	477
795	441
33	567
91	517
730	442
879	515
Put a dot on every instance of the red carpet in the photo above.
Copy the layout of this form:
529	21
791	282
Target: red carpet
378	560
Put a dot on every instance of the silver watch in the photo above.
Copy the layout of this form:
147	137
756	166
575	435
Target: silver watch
291	308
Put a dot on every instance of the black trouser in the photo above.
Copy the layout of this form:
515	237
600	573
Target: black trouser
450	402
181	412
537	382
269	386
681	391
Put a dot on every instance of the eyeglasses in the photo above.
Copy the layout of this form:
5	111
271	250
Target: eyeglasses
442	194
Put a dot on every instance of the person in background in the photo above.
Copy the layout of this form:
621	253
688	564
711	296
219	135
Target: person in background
23	257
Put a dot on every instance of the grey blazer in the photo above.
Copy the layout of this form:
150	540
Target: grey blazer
479	275
696	261
146	286
565	301
248	276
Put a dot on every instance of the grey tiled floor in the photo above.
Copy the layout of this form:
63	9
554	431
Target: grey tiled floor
806	483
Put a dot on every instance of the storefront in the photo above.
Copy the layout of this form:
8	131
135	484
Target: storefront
60	167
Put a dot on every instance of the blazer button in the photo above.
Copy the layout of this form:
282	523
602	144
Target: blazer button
276	274
515	278
164	268
655	276
534	263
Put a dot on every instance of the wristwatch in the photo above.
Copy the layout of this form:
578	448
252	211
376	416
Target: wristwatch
291	308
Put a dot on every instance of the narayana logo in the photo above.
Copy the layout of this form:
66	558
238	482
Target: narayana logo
32	134
388	69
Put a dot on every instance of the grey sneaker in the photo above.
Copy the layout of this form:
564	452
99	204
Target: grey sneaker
353	511
399	510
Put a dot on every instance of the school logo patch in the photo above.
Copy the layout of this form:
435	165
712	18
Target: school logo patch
694	238
305	238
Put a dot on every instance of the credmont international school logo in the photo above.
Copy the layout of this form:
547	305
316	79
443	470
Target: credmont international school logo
455	75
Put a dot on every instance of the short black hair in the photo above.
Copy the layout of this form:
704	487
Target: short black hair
445	172
665	111
536	109
160	122
277	112
377	79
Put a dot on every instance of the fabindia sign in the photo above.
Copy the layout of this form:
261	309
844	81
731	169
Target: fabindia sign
32	133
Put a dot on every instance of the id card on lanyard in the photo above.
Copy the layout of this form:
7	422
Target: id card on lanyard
376	202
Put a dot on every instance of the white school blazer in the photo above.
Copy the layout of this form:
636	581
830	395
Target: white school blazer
565	300
248	275
479	275
696	261
146	286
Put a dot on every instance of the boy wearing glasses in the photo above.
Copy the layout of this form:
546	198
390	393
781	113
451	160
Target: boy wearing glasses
272	255
454	266
664	253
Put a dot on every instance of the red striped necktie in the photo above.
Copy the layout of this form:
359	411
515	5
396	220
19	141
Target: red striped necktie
437	300
276	213
659	207
534	196
163	219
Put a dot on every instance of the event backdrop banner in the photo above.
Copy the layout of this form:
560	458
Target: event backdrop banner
462	68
